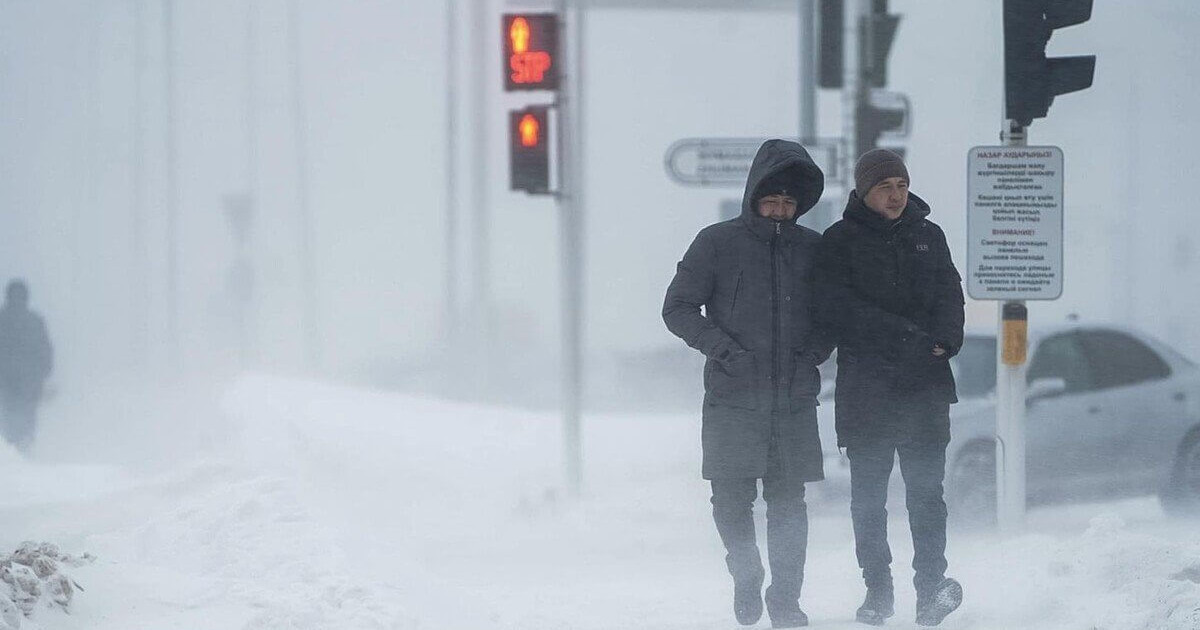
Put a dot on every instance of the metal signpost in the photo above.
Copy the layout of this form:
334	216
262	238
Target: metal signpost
1014	253
1015	219
536	59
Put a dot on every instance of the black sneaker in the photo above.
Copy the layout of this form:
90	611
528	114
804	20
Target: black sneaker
747	602
941	601
877	607
791	617
785	613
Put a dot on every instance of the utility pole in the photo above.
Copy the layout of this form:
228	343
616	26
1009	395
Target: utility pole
806	11
571	210
451	307
172	201
247	323
139	259
1031	82
1011	369
481	323
535	58
308	272
852	89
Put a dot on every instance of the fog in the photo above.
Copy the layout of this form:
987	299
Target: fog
85	194
126	147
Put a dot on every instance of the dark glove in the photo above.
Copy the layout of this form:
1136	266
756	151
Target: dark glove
811	357
916	347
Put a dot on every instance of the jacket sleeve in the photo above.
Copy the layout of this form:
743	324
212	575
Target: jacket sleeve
948	314
840	309
691	288
823	337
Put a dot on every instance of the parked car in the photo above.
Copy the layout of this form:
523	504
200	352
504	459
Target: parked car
1109	412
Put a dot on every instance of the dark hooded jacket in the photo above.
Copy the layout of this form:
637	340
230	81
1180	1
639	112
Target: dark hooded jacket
752	275
26	356
888	291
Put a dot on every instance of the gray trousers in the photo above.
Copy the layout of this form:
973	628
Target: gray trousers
787	531
923	466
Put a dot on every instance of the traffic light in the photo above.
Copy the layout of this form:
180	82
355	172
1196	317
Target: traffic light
829	44
530	51
880	117
529	150
876	33
1031	81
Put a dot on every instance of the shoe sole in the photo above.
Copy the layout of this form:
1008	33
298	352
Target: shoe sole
873	620
946	601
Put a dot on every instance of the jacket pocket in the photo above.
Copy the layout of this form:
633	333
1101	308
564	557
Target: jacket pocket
722	388
806	382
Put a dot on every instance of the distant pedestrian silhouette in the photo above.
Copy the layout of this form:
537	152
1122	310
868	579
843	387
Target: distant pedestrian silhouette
26	358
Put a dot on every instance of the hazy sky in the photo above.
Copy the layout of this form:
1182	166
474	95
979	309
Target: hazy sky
374	99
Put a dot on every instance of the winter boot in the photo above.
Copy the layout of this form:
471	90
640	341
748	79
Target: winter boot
877	607
932	607
784	611
747	601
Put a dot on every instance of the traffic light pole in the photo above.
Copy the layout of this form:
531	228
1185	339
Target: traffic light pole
852	88
569	108
451	307
1011	368
807	13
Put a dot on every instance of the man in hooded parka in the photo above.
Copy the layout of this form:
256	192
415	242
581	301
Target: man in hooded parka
751	275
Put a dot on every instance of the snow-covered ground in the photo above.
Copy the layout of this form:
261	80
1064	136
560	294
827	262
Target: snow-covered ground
304	505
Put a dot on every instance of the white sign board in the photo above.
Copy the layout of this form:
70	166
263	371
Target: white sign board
1015	223
727	161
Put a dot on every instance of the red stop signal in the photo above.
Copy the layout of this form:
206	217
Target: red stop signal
529	150
530	131
530	51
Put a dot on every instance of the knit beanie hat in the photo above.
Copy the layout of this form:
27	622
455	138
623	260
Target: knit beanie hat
784	182
875	166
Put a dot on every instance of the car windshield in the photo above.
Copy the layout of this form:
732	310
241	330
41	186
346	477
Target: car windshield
975	367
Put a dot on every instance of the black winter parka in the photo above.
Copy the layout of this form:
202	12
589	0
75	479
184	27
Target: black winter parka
888	291
752	276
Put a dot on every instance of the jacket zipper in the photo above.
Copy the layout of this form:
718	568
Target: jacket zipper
894	241
777	333
775	317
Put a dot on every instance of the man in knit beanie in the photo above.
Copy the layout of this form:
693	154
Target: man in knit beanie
875	166
889	293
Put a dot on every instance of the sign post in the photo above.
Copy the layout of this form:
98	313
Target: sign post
1014	254
1014	221
534	60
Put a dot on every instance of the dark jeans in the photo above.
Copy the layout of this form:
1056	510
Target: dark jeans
19	419
787	532
923	466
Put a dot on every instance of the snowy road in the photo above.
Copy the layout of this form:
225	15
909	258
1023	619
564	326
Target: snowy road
335	508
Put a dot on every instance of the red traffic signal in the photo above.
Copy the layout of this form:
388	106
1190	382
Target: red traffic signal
529	150
530	51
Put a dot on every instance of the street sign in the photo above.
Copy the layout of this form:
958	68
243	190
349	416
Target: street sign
1014	223
726	161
